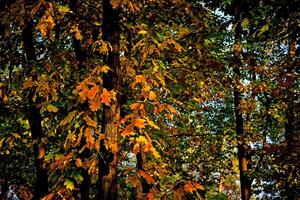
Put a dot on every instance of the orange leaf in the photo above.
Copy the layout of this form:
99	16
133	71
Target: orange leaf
198	186
134	106
88	136
172	109
139	123
189	187
127	131
28	83
89	121
95	104
92	92
113	147
150	196
105	97
140	79
147	177
136	148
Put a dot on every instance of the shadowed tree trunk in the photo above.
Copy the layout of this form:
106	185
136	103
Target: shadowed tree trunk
80	54
242	146
108	161
34	117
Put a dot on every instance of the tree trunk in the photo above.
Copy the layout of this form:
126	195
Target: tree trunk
34	118
242	146
80	54
108	161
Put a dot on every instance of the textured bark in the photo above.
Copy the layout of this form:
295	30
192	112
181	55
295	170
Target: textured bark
242	147
108	161
34	118
145	186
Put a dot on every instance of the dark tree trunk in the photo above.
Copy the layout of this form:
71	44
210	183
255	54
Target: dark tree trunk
242	146
80	54
108	161
34	118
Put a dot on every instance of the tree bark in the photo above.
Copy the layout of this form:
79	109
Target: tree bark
80	55
108	161
242	146
34	118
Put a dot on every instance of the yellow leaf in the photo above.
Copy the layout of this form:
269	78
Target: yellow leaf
69	184
154	153
151	123
52	108
142	32
139	123
89	121
68	119
141	139
63	9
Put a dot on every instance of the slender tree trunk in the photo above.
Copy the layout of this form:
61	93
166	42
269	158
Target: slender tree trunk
291	137
242	146
34	118
108	161
80	54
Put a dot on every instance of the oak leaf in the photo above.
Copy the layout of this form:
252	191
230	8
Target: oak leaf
89	121
68	119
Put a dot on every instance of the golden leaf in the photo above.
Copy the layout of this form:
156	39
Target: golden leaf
89	121
172	109
142	32
52	108
63	9
28	83
68	119
152	96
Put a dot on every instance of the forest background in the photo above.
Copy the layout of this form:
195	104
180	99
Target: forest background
149	99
